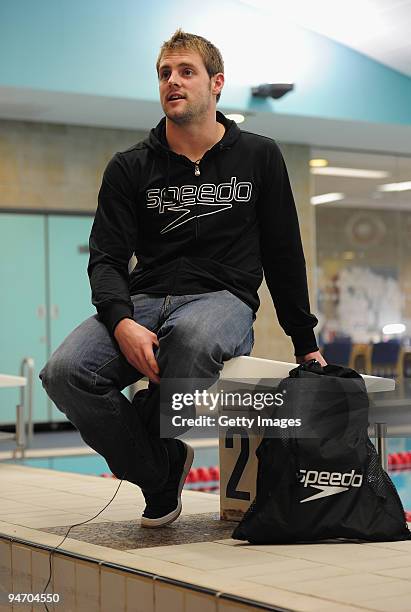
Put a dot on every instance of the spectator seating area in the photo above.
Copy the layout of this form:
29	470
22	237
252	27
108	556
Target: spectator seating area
388	359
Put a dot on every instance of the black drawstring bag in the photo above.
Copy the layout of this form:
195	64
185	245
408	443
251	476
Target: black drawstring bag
322	480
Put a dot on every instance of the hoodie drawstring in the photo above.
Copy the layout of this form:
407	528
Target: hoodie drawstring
167	194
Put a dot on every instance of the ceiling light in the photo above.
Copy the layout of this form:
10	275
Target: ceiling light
393	328
351	172
405	186
327	197
318	163
236	117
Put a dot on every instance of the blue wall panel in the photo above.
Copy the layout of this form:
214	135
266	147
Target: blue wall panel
108	48
43	271
70	293
22	306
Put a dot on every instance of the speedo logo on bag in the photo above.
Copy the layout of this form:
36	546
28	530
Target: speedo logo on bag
329	483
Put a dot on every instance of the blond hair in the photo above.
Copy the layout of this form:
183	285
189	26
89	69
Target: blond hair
210	55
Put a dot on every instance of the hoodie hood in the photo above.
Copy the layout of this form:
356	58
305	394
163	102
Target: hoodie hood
157	138
157	142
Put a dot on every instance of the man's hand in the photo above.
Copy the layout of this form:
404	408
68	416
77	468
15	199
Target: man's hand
136	344
316	355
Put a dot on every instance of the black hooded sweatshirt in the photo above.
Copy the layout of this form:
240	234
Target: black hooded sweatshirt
200	227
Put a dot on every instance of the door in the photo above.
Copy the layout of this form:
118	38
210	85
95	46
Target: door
70	293
23	330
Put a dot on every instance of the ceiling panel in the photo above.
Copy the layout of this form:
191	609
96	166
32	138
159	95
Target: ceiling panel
376	28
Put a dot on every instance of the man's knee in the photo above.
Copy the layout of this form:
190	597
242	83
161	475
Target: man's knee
59	374
64	380
53	374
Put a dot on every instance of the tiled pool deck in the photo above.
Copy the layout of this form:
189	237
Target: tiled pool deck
111	564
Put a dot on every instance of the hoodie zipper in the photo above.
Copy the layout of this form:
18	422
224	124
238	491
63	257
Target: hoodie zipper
197	172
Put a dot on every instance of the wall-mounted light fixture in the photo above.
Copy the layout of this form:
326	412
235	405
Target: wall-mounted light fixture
272	90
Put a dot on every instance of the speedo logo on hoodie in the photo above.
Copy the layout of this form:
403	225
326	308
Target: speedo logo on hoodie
329	483
207	198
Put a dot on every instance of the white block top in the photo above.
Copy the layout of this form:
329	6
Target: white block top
254	367
7	380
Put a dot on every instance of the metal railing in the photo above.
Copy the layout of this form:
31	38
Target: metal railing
23	434
27	365
380	434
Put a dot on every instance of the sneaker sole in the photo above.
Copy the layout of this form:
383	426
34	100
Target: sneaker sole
172	516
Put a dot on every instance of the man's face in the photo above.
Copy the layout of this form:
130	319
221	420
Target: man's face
186	90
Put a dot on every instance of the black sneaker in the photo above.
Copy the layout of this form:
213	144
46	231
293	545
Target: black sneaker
165	506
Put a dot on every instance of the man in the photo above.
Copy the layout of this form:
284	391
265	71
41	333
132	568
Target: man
204	206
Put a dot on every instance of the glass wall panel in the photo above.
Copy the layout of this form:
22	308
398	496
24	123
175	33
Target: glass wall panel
363	227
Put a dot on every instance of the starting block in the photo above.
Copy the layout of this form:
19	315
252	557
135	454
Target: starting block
238	462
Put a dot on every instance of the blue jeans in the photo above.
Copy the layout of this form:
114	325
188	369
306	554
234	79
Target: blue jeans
85	375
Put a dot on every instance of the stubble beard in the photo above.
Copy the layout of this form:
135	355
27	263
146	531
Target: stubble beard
192	114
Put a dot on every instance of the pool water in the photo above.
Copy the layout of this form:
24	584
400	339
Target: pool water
401	479
97	465
208	456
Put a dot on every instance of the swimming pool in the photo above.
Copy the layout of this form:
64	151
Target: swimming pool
97	465
205	456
